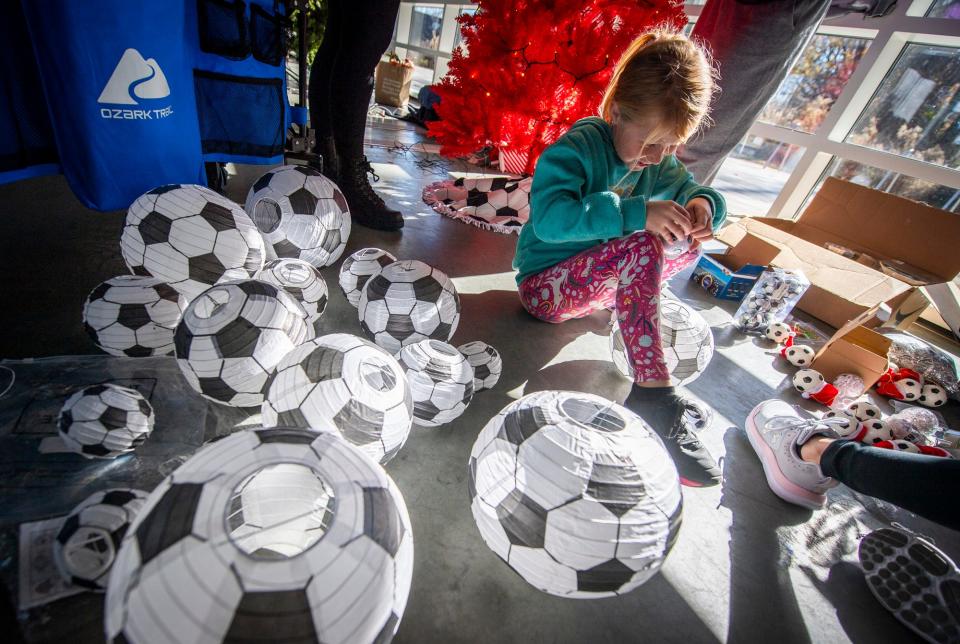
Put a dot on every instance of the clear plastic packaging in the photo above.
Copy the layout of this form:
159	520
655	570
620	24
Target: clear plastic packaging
772	299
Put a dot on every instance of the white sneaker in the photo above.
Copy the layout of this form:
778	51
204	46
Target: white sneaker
776	431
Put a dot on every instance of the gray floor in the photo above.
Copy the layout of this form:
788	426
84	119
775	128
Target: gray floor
747	567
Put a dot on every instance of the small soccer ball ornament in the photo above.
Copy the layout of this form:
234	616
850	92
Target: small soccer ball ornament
87	543
486	362
811	384
799	355
575	493
441	381
778	332
232	337
105	421
301	214
408	301
266	535
932	395
343	383
134	316
191	238
685	337
873	432
358	268
864	411
301	280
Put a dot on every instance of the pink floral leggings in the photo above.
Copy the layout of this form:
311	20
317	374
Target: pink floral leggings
626	273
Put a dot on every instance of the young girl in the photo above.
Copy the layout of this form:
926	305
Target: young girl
607	198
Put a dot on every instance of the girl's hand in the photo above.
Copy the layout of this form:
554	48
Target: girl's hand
701	213
669	220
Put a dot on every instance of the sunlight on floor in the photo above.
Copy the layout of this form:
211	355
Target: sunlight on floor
476	284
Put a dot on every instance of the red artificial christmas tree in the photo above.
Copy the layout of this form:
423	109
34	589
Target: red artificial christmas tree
534	67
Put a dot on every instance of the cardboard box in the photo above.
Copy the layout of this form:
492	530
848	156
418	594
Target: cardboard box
856	349
880	229
731	275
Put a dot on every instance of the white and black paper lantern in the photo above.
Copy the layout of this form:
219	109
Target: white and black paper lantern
408	301
267	535
685	337
87	543
577	494
301	280
301	214
486	362
343	383
441	381
105	421
191	238
357	269
135	316
233	335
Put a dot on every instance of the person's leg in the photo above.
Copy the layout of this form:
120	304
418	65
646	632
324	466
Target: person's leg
321	73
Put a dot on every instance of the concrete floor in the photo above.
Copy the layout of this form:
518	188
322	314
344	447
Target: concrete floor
747	567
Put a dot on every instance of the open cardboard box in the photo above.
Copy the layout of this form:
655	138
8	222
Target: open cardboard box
869	222
856	349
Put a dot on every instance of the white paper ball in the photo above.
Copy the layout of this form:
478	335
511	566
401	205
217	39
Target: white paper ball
807	380
343	383
87	543
105	421
301	280
266	535
408	301
301	214
441	381
134	316
191	238
233	335
357	269
800	355
686	339
486	362
932	395
577	494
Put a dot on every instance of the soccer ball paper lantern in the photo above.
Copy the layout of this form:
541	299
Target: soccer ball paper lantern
408	301
441	381
191	238
577	494
686	340
301	214
486	362
267	535
232	337
357	269
133	316
105	421
301	280
343	383
87	543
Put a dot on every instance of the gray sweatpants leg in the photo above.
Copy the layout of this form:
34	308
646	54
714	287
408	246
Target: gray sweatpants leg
754	45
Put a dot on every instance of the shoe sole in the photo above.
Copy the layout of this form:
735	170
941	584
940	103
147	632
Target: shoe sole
914	581
779	484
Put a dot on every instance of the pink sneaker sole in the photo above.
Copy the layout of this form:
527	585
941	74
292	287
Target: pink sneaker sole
778	482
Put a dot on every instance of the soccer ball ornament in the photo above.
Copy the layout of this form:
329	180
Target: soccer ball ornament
133	316
873	432
301	214
685	337
266	535
846	425
301	280
105	421
191	238
864	411
576	494
408	301
778	332
87	543
441	381
799	355
932	395
232	337
486	362
357	269
343	383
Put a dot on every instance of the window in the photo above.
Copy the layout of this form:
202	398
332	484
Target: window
752	177
945	9
470	11
425	25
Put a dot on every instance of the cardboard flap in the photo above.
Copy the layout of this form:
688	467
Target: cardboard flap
860	320
751	250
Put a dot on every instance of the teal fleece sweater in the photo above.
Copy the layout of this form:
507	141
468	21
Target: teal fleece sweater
583	195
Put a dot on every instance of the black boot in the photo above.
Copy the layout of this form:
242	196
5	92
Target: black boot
366	207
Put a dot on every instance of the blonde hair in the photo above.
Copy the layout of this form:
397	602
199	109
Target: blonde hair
666	76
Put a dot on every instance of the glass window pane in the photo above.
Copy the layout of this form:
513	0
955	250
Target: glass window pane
916	110
470	11
423	66
425	26
945	9
753	175
815	82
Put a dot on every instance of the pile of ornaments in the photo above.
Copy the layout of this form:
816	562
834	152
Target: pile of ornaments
906	431
771	299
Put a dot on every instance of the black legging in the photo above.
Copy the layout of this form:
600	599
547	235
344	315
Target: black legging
925	485
341	79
